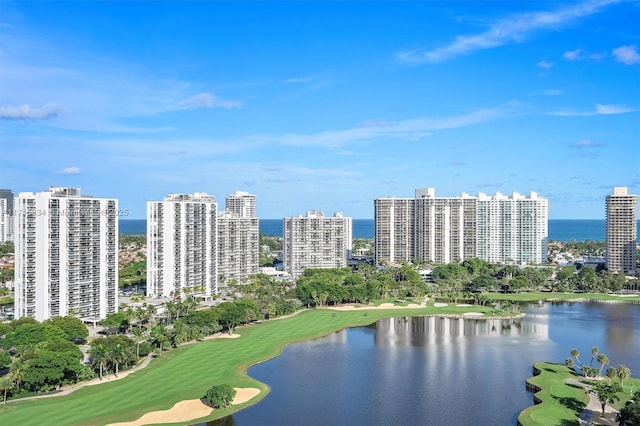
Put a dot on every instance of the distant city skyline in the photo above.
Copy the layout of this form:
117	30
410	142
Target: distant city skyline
322	106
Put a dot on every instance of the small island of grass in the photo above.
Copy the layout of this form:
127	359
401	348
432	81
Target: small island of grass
562	397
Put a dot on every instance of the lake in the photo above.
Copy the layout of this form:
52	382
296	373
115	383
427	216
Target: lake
434	371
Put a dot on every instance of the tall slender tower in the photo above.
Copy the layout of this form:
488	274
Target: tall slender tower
445	227
182	245
66	255
394	223
622	232
238	238
6	215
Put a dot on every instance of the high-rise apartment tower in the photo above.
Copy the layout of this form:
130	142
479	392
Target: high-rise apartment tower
495	228
316	241
238	238
182	245
621	230
66	248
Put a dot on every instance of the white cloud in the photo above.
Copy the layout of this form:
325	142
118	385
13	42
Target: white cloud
207	100
613	109
553	92
411	129
505	31
572	55
544	64
27	112
580	54
69	171
299	80
598	110
628	55
585	143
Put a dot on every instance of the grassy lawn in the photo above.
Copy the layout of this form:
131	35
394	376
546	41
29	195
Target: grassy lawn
187	372
563	402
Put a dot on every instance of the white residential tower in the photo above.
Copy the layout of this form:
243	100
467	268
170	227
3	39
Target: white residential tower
66	248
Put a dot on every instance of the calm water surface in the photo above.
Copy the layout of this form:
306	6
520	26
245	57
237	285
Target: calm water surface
434	371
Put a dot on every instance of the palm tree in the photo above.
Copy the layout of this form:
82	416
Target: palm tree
611	373
138	332
623	373
159	334
116	355
569	362
602	360
576	354
128	313
99	357
594	353
18	372
6	383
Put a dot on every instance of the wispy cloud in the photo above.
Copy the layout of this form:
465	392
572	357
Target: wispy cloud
411	129
505	31
553	92
581	54
628	55
613	109
69	171
207	100
599	109
586	143
27	112
307	79
545	65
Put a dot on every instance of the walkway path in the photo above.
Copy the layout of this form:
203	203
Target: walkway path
66	390
592	413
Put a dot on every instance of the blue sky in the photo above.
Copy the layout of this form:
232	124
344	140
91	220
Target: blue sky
322	106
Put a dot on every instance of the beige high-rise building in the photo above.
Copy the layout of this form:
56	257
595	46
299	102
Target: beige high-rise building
316	241
394	230
66	251
621	231
238	238
445	227
182	245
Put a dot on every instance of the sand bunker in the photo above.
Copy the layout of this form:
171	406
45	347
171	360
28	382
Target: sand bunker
370	308
472	314
463	305
244	394
227	336
439	305
188	410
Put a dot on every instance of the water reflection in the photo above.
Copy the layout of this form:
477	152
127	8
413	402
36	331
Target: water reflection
421	331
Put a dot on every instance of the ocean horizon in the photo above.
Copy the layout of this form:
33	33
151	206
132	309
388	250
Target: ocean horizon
559	229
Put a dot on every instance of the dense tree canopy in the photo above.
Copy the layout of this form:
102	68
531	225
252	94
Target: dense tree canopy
219	396
72	327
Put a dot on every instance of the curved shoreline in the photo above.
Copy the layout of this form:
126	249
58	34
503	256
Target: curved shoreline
392	314
551	383
306	326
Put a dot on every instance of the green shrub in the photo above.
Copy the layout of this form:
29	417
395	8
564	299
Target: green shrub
145	348
219	396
